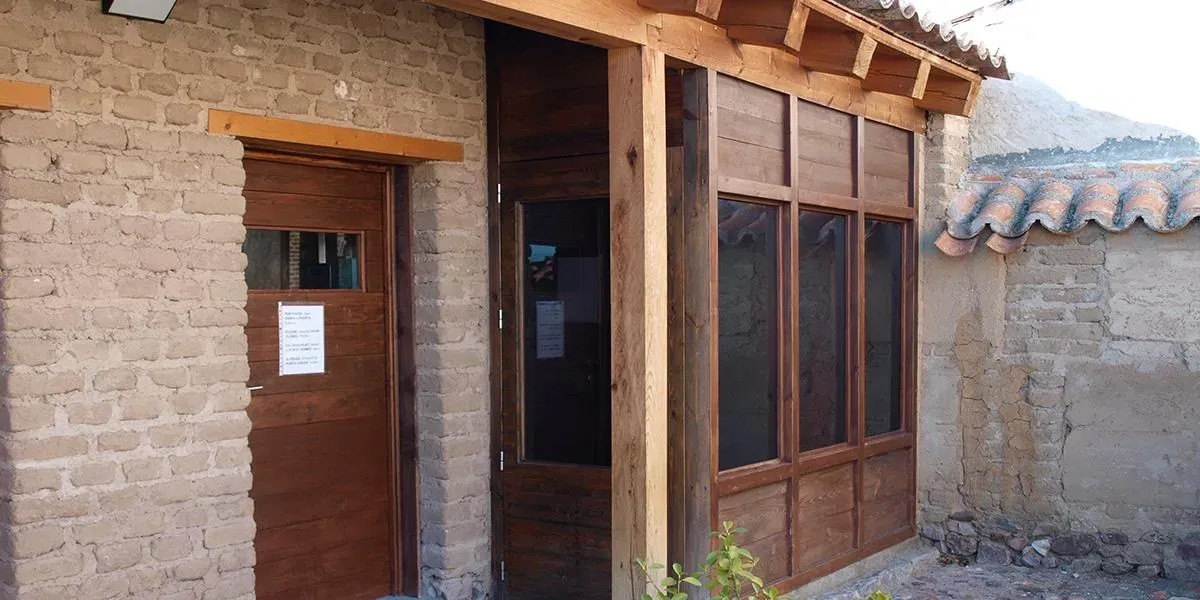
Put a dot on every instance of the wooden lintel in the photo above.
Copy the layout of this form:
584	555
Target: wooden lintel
703	9
24	96
595	22
949	94
893	73
840	51
773	23
330	139
638	246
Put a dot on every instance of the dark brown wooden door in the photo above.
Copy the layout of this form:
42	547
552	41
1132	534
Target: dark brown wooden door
321	443
555	403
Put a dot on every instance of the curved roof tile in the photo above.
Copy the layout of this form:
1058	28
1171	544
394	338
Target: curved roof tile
1165	197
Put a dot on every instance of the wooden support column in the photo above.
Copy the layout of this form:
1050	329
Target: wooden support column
638	196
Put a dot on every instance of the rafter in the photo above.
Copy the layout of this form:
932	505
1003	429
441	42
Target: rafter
832	47
947	93
773	23
895	73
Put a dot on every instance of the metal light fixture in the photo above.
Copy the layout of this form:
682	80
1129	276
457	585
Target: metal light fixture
151	10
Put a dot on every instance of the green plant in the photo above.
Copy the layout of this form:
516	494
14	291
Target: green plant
878	595
727	572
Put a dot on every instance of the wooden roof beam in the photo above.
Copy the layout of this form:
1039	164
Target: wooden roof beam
895	73
946	92
832	47
772	23
703	9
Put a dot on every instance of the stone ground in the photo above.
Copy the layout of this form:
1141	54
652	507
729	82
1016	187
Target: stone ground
928	579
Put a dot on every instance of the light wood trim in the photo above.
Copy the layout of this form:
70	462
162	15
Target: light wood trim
638	221
355	143
603	23
753	189
24	96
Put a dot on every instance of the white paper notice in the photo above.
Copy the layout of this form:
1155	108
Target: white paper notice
550	329
301	339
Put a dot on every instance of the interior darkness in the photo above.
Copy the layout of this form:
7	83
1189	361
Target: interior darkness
748	333
885	251
565	309
821	371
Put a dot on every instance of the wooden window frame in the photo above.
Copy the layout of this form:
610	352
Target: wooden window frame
792	464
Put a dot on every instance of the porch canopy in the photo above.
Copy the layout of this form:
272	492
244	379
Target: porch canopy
816	50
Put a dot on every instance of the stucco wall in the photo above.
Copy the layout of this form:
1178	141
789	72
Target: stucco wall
124	425
1059	383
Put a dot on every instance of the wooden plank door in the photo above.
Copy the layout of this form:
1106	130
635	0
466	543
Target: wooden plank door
555	401
321	443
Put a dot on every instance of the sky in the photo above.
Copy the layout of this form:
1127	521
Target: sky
1129	57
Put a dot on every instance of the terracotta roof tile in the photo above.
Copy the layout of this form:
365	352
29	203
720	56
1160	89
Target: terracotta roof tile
1163	196
903	18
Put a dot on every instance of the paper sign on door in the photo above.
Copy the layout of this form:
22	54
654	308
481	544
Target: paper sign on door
550	329
301	339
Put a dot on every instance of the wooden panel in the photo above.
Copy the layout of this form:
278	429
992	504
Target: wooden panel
341	308
823	540
554	123
340	340
573	177
315	569
322	534
755	163
310	180
563	539
886	163
825	150
339	373
24	96
282	410
824	494
639	313
762	511
312	440
356	142
297	507
775	557
887	494
310	212
315	469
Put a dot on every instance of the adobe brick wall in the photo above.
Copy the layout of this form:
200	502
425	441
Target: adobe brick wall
124	427
1059	391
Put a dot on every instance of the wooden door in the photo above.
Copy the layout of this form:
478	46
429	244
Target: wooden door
321	443
555	403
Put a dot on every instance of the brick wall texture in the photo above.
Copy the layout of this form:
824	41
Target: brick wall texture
126	465
1058	384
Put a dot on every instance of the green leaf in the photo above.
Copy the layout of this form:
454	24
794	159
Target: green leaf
647	597
690	580
679	596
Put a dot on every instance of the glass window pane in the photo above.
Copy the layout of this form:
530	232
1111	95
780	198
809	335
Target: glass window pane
567	395
301	260
822	330
885	256
748	313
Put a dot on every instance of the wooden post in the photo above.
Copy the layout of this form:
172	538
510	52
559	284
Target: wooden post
638	175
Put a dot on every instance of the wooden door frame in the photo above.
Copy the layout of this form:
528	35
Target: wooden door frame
401	403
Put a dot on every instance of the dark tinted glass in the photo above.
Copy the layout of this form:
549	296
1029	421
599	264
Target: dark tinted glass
748	314
821	286
885	254
567	401
301	260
